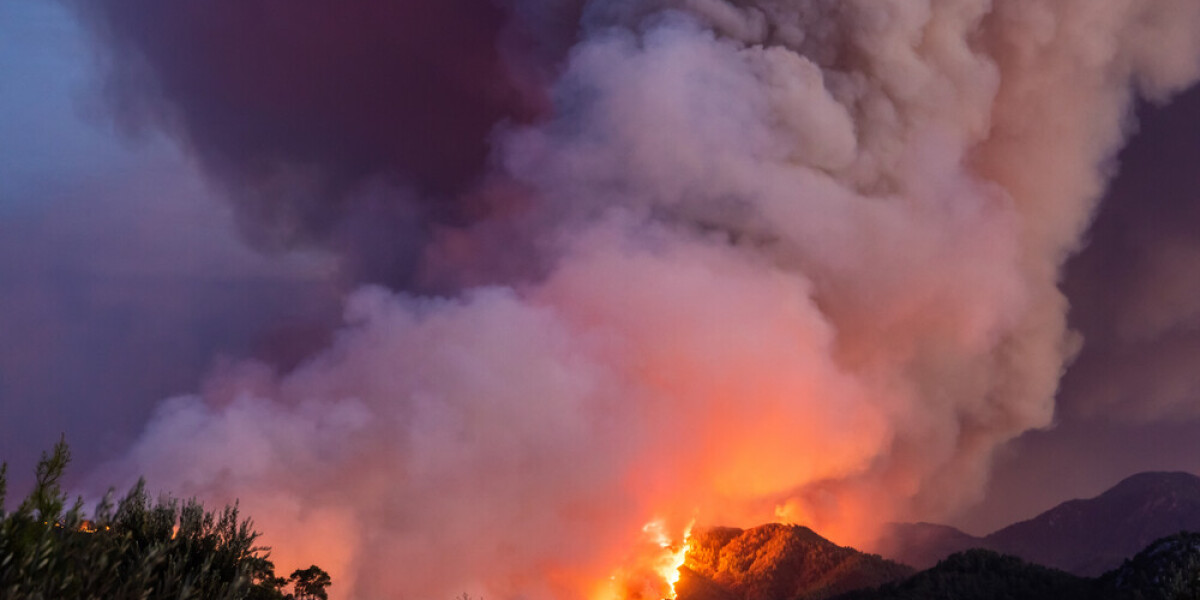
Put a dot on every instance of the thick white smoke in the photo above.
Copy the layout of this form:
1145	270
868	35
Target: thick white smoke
803	262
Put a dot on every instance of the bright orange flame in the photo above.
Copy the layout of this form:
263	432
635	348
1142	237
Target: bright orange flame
652	571
678	558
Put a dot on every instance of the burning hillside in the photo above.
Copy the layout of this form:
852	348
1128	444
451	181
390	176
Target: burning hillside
617	262
772	562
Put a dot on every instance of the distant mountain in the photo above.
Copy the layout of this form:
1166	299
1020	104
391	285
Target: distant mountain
1168	569
777	562
922	545
1088	537
984	575
1084	537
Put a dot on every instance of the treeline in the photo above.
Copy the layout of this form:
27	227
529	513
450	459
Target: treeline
134	549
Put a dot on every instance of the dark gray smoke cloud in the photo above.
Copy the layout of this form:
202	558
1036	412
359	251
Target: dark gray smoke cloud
121	278
117	291
359	128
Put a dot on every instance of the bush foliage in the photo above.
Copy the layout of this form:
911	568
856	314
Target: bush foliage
135	549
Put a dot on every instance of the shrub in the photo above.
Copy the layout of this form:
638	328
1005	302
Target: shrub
134	550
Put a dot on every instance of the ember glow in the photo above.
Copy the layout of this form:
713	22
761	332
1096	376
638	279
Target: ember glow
724	260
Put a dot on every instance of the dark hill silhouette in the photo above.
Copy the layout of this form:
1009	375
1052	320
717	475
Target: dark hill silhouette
777	562
1167	569
922	545
1084	537
985	575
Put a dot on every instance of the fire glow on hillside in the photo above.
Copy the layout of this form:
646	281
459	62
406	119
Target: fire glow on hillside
617	262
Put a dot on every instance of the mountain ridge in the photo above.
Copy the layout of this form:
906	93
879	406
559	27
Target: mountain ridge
1085	536
1167	569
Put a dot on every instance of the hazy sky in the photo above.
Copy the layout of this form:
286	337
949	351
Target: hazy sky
124	278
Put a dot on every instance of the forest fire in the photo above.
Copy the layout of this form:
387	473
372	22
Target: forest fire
675	554
652	570
765	254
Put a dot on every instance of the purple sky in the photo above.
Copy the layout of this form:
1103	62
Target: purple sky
126	276
122	278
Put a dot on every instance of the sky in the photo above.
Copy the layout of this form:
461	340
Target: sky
599	257
123	278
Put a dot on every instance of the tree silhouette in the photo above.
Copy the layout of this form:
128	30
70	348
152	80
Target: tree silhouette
310	583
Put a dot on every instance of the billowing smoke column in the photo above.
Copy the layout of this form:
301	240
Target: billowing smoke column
731	261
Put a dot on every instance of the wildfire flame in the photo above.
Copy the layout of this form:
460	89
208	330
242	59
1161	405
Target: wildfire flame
652	571
674	554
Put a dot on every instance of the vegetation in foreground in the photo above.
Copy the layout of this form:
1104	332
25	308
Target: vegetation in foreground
135	549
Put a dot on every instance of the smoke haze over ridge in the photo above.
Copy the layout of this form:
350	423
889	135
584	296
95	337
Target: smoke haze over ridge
717	260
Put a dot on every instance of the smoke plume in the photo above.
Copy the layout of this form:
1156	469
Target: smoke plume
306	111
724	261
